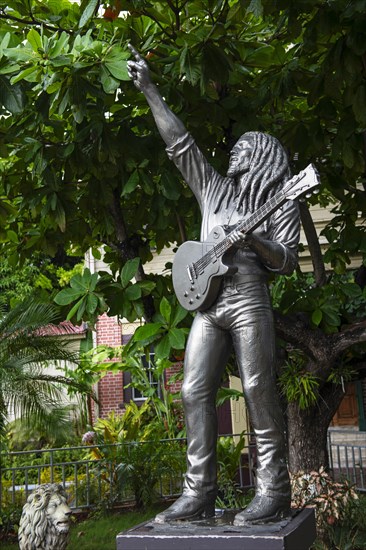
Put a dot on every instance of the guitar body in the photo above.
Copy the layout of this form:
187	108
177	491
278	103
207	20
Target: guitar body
197	289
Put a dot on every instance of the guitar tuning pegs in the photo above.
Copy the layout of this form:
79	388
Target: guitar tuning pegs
316	191
308	195
302	199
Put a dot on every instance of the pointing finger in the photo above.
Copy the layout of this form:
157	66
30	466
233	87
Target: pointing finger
134	52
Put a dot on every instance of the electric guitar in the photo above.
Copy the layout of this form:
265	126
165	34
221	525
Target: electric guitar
198	267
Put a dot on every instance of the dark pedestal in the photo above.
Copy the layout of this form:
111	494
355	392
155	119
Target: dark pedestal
219	533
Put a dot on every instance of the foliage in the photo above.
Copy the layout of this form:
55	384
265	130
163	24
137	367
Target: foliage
348	534
141	463
82	166
81	163
56	428
296	383
328	307
17	285
318	490
9	520
36	276
229	459
25	350
164	412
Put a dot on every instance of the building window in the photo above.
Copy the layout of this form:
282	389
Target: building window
136	393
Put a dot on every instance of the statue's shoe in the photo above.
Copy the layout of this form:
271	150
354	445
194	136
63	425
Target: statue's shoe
264	509
188	507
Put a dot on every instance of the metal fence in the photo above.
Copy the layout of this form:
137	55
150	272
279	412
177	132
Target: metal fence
117	474
113	474
347	457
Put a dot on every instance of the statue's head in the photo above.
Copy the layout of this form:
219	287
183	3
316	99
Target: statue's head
45	520
260	163
241	156
253	149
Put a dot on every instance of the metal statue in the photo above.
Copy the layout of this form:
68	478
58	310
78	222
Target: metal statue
238	312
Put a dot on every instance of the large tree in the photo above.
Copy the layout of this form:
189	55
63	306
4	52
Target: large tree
82	166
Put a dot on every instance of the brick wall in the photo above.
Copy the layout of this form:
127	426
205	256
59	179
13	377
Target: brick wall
173	386
110	387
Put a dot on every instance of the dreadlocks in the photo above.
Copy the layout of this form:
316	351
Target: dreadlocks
268	167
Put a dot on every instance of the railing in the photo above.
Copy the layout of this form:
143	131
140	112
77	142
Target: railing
347	460
113	474
117	474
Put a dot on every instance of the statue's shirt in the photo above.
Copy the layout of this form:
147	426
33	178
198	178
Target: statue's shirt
206	183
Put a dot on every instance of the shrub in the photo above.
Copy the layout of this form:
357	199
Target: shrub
317	490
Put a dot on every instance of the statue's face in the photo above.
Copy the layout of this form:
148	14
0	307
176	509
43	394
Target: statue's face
240	155
58	513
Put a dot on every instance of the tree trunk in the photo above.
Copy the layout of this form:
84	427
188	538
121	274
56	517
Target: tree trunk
308	429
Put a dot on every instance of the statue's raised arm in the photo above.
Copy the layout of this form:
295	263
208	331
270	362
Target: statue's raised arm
169	126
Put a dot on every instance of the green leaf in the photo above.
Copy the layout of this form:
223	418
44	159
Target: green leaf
261	57
359	105
147	331
171	188
35	40
59	45
255	7
146	286
12	97
66	296
12	236
177	338
133	292
348	154
20	54
224	394
88	12
92	303
189	66
129	271
24	74
109	83
131	184
81	282
60	216
331	318
317	316
162	348
93	281
352	290
74	309
81	309
116	62
165	309
179	313
4	43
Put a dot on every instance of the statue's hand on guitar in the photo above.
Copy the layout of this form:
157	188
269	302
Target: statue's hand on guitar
239	239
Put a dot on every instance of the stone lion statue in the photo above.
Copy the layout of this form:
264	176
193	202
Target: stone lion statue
45	520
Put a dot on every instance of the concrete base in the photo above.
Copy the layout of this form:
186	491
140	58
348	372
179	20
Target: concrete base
219	533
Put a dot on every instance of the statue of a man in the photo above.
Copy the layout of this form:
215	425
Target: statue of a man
240	318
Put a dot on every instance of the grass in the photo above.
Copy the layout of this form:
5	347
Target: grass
100	531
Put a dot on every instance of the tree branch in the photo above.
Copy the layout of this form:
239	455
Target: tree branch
313	243
127	251
182	228
353	334
295	330
33	22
